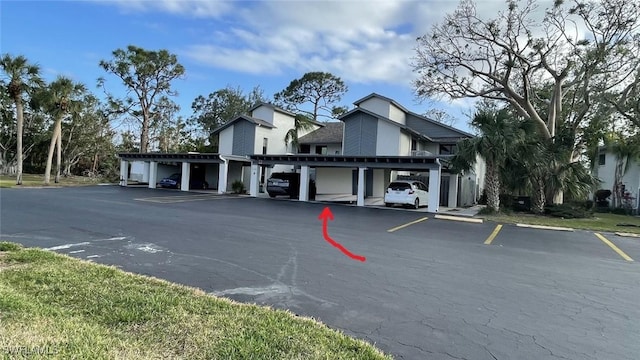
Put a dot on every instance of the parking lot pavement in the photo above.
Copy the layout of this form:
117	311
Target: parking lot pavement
429	290
578	243
630	245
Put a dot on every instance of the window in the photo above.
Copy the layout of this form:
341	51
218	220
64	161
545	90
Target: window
414	145
448	149
602	159
265	141
305	149
321	149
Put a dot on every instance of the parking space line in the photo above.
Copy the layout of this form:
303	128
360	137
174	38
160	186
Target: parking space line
613	247
181	198
407	224
493	234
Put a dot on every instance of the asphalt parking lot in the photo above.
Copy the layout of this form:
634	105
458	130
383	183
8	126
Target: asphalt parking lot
429	288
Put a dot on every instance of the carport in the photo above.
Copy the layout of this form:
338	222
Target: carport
431	164
218	170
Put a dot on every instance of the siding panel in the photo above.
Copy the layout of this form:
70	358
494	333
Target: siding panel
243	138
360	135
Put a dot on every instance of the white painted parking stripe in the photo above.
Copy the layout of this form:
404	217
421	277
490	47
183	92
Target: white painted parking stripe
66	246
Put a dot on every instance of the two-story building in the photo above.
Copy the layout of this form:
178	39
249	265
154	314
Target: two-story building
378	141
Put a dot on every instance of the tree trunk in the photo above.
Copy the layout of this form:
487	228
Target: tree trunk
52	145
492	186
19	130
95	164
539	198
58	153
144	135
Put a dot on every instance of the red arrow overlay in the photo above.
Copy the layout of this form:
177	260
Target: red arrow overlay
325	216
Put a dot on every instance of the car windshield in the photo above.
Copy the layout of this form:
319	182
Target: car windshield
398	186
174	177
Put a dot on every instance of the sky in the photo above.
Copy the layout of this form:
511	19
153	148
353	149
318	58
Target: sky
368	44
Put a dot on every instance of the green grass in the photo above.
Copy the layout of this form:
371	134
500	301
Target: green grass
599	222
54	306
7	181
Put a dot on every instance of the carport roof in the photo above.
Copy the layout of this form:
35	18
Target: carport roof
191	157
376	162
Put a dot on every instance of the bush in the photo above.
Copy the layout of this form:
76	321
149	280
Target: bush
483	198
601	198
8	246
621	211
567	211
238	187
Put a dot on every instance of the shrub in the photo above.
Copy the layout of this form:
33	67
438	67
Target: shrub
8	246
601	197
567	211
238	187
621	211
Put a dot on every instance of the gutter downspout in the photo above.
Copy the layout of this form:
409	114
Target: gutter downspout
223	175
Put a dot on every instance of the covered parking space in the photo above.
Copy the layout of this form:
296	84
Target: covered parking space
371	174
217	170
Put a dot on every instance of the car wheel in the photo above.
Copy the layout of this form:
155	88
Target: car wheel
388	204
416	204
272	195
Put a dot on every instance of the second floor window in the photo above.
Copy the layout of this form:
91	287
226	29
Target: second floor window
321	149
265	142
448	149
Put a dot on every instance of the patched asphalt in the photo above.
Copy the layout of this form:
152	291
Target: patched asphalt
430	290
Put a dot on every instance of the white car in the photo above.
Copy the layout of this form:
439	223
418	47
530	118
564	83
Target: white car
407	192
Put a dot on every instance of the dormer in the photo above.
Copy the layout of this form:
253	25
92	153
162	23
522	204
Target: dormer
384	106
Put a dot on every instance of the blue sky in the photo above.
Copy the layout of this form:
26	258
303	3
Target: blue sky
369	44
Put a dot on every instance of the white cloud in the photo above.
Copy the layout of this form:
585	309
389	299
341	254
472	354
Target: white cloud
356	40
202	9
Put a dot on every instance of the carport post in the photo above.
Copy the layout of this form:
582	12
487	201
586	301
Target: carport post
304	183
434	189
253	183
124	172
153	174
186	171
453	190
361	180
222	175
145	172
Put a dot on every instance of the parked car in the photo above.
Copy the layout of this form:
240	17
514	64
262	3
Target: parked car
175	180
406	192
284	183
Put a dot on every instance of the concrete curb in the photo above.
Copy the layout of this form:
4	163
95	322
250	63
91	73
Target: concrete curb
543	227
458	218
628	234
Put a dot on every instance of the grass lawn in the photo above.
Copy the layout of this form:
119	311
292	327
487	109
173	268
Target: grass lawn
599	221
7	181
54	306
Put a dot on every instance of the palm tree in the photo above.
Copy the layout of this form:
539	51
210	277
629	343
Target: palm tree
499	132
23	78
62	97
301	123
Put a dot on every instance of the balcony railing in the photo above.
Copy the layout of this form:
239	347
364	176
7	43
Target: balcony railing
421	153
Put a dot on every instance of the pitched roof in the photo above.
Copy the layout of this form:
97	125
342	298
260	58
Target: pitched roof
245	118
330	133
422	117
372	95
462	134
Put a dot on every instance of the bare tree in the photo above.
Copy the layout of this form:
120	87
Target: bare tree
513	56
